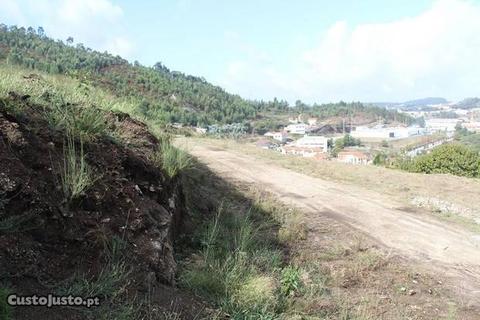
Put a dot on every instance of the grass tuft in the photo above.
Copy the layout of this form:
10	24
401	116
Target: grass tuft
171	159
87	123
76	175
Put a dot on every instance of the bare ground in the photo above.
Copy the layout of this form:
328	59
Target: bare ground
448	250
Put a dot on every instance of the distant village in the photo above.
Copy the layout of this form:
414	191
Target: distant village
310	138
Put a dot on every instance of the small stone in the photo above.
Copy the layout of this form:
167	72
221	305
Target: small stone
411	292
403	289
137	188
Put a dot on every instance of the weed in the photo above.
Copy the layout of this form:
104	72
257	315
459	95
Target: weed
83	122
290	280
171	159
76	175
109	283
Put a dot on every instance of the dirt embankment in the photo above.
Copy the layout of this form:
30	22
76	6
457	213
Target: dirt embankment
44	241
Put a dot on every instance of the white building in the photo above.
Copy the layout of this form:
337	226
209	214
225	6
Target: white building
353	157
313	142
296	128
280	136
312	121
440	124
472	126
382	132
308	146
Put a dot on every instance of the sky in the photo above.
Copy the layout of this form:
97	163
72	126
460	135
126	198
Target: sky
312	50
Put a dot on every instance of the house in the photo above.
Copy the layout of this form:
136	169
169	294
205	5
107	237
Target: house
382	132
307	152
441	124
296	128
472	126
281	136
307	146
269	134
353	157
313	142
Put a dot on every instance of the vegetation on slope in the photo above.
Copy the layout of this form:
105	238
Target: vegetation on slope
73	175
157	93
454	159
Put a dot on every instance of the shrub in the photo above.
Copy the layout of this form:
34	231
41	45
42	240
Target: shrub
380	159
450	158
345	141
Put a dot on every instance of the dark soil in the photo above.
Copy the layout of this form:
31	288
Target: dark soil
44	241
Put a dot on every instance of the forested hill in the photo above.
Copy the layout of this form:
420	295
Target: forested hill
172	96
160	94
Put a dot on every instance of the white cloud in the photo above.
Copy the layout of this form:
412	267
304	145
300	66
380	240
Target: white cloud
96	23
12	11
434	53
119	45
76	11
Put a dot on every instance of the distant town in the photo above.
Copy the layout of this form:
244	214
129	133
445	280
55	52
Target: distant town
438	122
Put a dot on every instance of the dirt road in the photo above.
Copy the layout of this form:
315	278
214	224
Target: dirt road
420	238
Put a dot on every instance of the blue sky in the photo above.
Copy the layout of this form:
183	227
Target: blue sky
368	50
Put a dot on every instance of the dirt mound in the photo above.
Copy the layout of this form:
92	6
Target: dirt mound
44	242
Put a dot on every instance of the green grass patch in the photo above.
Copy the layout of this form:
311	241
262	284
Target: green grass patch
234	270
171	159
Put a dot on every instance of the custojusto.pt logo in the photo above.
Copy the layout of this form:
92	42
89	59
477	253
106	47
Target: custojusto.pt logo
51	300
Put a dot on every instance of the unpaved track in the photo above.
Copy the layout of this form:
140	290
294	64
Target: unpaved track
417	237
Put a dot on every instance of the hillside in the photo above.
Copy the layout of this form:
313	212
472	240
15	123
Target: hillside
468	103
167	96
89	205
416	104
157	93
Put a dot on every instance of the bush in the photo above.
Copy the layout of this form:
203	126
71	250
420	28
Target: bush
346	141
380	159
455	159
